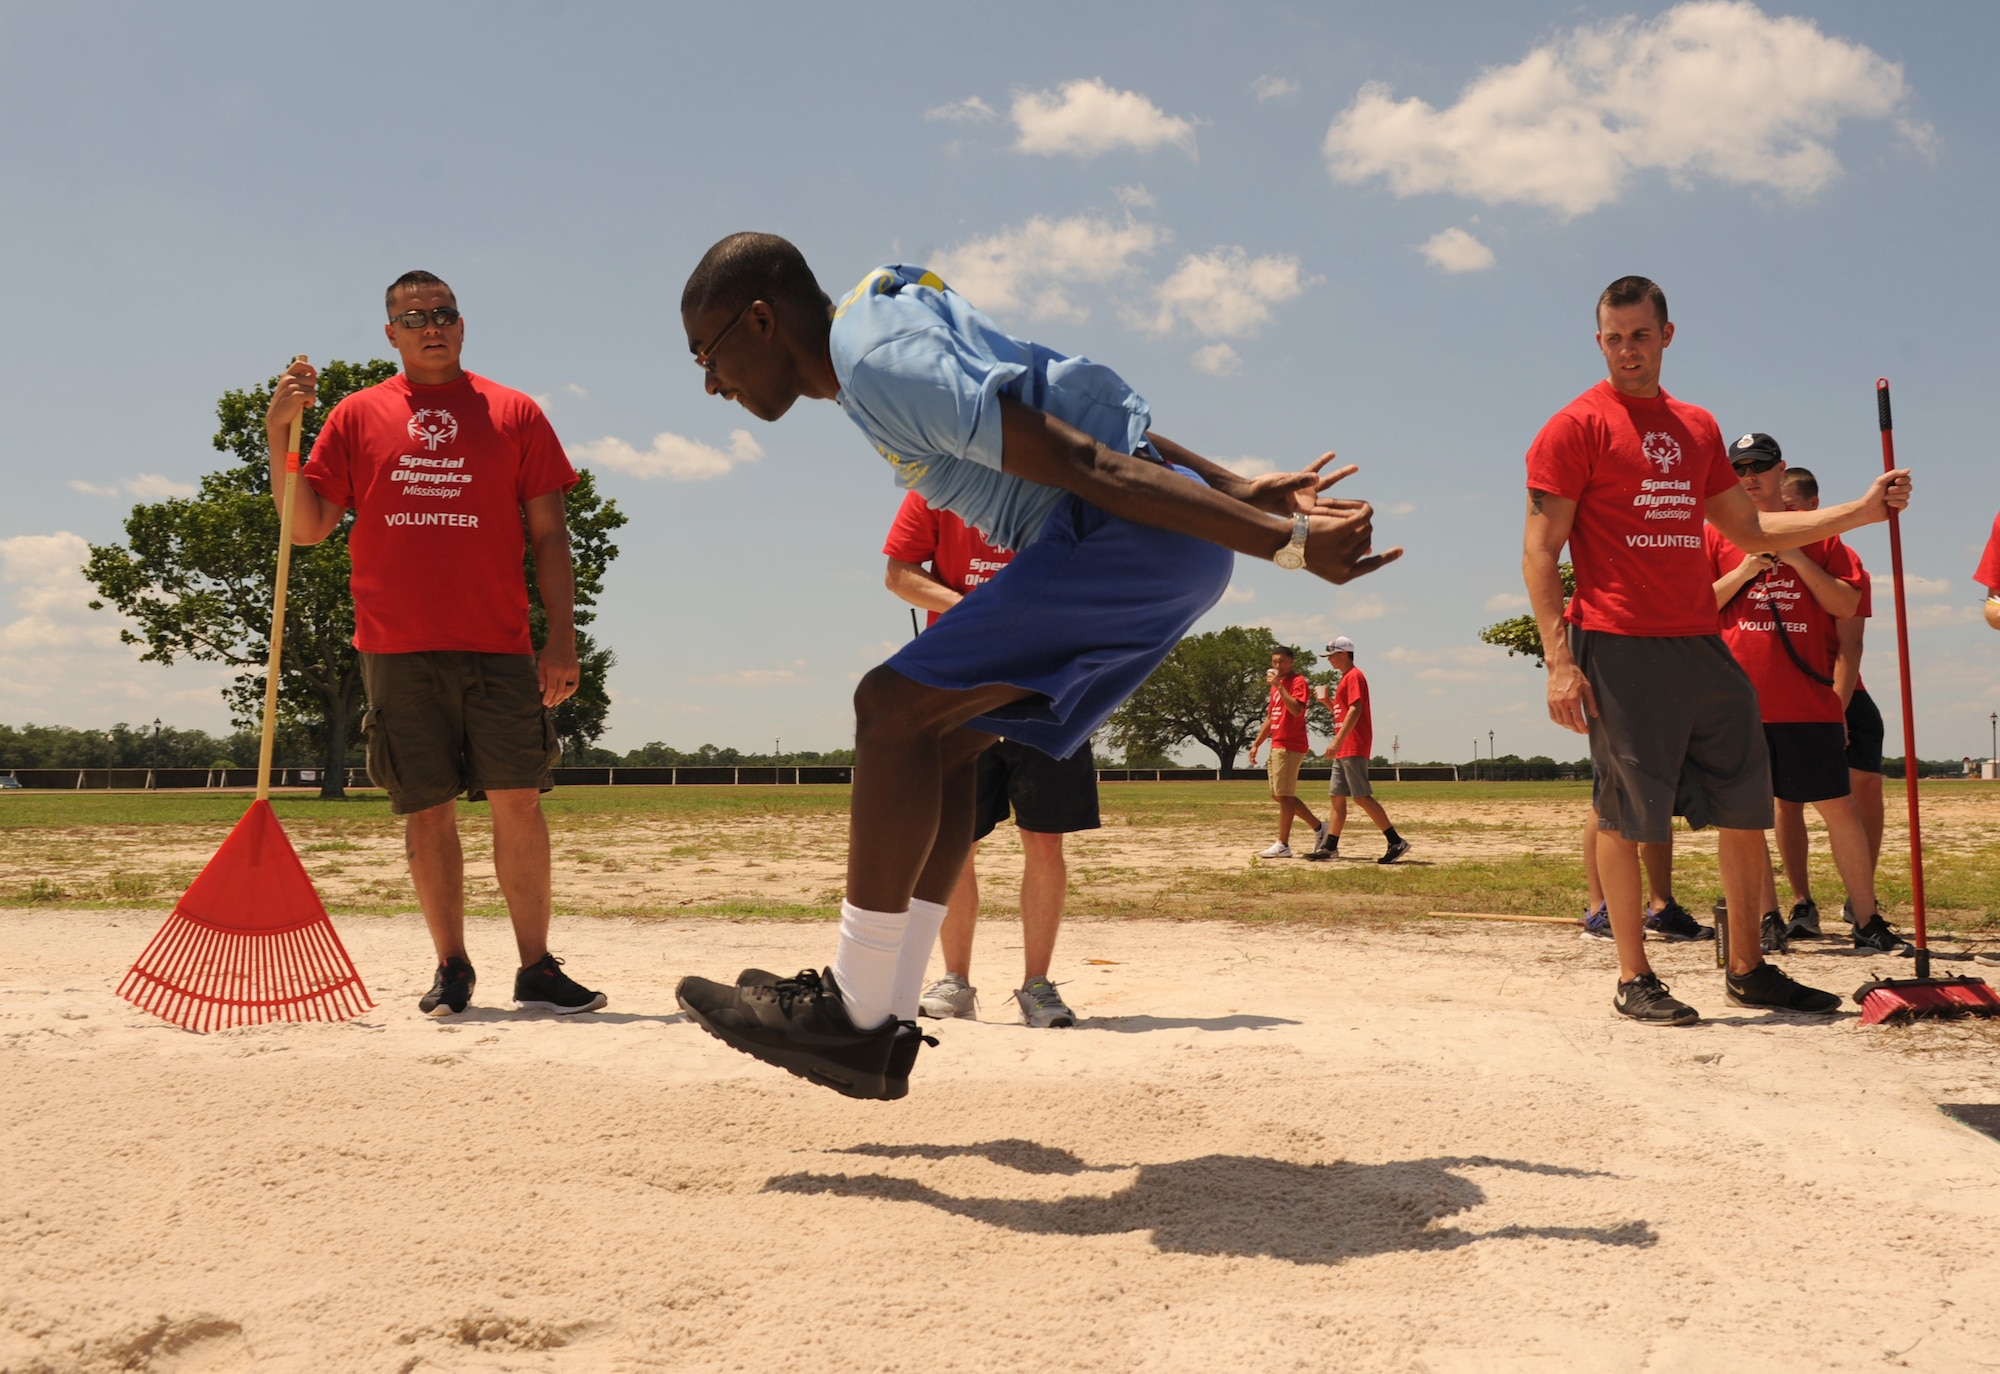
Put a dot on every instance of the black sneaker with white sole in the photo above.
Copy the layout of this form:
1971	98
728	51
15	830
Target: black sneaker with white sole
1646	1000
1673	923
1804	923
451	990
1396	851
1769	986
801	1025
1875	934
543	986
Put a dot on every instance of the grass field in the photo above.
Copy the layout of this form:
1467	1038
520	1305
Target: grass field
1177	849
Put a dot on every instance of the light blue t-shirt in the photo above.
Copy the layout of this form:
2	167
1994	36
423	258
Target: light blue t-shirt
921	372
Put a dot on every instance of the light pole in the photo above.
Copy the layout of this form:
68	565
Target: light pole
152	774
1489	745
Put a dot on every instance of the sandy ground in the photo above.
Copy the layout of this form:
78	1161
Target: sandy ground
1428	1148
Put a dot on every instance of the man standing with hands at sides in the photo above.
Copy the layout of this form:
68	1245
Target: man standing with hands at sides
1048	797
1352	745
1285	727
451	477
1623	475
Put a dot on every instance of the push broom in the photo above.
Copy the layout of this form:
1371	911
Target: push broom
1921	997
249	941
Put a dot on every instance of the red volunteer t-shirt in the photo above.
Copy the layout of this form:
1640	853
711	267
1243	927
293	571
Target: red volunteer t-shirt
1288	731
956	551
1641	472
1988	575
1352	695
437	476
1749	626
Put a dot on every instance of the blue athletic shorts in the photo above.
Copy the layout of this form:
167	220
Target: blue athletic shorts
1080	618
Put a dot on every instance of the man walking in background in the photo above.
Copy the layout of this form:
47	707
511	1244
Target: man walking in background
1353	744
451	478
1285	727
1048	797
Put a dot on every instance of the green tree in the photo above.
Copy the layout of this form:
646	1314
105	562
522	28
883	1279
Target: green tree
1520	634
1210	689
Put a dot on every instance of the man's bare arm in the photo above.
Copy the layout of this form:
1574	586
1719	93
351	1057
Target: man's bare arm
1340	735
919	586
313	516
1837	598
1739	577
1041	448
1848	632
1755	531
555	578
1571	701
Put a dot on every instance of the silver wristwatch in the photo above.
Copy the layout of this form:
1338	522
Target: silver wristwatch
1293	555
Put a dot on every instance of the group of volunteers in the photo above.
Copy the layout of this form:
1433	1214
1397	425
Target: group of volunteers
1063	546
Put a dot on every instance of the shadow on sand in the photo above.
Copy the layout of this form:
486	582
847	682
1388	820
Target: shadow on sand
1229	1204
1133	1024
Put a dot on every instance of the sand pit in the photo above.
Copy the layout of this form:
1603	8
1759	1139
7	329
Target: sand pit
1426	1148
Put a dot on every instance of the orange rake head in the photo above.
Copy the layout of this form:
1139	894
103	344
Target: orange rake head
1925	999
249	942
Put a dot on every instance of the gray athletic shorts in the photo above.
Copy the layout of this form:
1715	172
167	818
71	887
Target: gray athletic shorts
1677	734
1350	778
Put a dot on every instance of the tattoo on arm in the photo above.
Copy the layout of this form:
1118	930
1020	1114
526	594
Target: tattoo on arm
1535	500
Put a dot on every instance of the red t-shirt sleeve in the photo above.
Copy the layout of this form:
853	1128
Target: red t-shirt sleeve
1559	459
913	538
1841	563
544	465
1988	575
329	467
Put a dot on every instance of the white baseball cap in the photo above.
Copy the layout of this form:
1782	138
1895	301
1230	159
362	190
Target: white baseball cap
1340	644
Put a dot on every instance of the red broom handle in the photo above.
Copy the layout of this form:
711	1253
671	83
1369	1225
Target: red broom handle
1903	672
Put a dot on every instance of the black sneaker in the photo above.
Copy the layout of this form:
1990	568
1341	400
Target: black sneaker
450	990
543	986
801	1025
1396	851
1673	924
1767	985
1645	999
1773	929
903	1056
1804	924
1875	934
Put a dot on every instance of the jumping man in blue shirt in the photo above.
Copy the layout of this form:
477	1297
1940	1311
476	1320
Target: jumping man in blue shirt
1123	538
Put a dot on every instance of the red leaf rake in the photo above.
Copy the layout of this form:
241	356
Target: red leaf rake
249	941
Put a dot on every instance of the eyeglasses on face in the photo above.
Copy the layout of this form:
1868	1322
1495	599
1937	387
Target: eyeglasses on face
704	356
442	317
1744	467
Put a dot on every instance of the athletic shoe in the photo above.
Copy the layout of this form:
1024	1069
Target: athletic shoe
1042	1006
1804	924
450	990
1646	1000
1330	851
1673	924
801	1025
949	996
1280	850
1876	935
1319	838
1772	931
903	1057
1396	851
1597	924
1767	985
543	986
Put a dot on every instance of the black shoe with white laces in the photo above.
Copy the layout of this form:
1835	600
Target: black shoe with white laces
1767	985
1646	1000
1875	934
451	990
801	1025
543	986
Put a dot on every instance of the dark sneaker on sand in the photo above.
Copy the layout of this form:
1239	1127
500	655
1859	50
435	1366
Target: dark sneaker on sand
800	1024
1645	999
1597	923
543	986
1875	934
1772	930
1767	985
450	990
1396	851
1804	923
1673	924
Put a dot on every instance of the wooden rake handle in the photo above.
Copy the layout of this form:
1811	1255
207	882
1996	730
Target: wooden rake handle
283	579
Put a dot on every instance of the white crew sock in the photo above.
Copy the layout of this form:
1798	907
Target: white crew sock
926	918
864	963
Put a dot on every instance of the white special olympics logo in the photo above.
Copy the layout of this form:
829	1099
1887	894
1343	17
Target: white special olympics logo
1661	450
436	428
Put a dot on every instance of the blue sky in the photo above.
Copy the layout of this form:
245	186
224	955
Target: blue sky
1368	228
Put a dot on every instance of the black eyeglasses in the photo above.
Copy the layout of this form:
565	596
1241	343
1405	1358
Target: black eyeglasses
704	356
1746	466
442	317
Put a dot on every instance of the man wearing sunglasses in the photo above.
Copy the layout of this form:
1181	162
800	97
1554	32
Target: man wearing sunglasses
451	478
1122	540
1779	614
1624	475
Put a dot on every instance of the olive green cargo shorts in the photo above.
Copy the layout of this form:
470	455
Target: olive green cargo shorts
444	722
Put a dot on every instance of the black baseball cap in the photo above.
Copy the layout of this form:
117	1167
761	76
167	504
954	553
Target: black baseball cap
1760	449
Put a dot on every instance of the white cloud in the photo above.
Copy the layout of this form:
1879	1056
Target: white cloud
1271	87
147	486
757	677
1503	603
1217	360
1135	197
1455	250
1224	293
671	456
1234	595
573	389
1924	617
971	110
1247	466
1032	268
1463	655
1711	88
1086	118
1403	508
1884	586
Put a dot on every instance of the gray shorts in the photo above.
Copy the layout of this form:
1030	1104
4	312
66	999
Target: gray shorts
1350	778
444	722
1677	734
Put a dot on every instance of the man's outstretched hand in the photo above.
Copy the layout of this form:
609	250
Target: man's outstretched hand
1339	545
